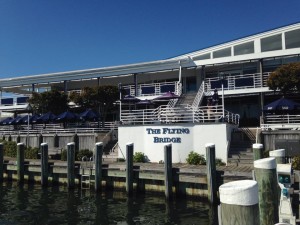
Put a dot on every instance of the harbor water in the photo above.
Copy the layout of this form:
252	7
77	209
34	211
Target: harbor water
32	204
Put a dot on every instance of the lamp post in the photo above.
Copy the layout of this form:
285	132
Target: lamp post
120	93
28	109
222	78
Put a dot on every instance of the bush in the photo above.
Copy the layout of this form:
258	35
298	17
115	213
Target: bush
10	148
139	157
82	153
31	153
63	156
195	159
296	163
219	162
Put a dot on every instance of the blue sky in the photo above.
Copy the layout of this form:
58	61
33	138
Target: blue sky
44	36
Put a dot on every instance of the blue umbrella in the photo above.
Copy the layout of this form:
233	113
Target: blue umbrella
6	121
45	118
15	121
88	115
32	119
166	97
67	117
282	104
130	99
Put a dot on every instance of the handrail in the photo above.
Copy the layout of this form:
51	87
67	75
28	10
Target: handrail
199	96
178	91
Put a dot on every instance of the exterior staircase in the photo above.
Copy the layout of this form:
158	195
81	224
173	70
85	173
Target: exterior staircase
186	99
240	152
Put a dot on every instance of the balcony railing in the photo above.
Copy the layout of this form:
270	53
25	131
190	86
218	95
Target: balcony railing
281	122
186	114
237	82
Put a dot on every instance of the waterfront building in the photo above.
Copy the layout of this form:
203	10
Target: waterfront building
237	70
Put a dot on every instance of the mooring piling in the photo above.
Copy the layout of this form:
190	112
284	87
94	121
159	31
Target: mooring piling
168	170
98	165
239	203
44	164
129	168
20	162
71	164
266	177
257	151
211	172
1	161
279	155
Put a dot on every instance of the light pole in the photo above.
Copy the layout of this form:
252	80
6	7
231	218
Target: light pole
28	109
222	78
120	93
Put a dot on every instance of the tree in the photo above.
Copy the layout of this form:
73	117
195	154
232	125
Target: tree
54	101
100	98
285	78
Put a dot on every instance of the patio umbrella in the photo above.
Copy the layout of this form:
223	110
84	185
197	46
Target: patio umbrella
32	119
15	121
130	99
166	97
67	117
145	102
89	115
6	121
45	118
282	104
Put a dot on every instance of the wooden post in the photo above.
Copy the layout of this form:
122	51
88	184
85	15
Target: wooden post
76	142
20	162
257	151
266	177
168	170
279	155
71	164
211	172
1	162
44	164
129	168
98	165
239	203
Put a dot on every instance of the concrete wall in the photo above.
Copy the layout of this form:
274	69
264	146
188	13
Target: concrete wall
187	138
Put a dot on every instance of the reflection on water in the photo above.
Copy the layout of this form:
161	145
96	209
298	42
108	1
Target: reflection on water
56	205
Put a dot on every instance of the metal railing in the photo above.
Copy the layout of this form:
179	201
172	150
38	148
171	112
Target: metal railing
236	82
199	96
183	114
178	92
276	122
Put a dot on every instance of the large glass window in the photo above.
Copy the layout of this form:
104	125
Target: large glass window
201	57
243	49
222	53
271	43
292	39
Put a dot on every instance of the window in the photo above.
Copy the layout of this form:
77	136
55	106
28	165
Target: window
292	39
201	57
222	53
243	49
271	43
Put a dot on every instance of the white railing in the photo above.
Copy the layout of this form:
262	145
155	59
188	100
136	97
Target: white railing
178	92
236	82
154	88
274	122
199	96
183	114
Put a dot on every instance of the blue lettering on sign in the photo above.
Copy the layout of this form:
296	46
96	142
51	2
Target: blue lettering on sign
167	131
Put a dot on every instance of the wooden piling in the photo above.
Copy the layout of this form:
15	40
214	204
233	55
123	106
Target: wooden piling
211	173
257	151
279	155
239	203
44	164
98	165
1	161
168	170
20	162
71	164
266	177
129	168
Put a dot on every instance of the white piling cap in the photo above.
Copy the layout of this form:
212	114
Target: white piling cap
99	143
20	143
44	143
242	192
257	146
277	153
129	143
266	163
71	143
209	145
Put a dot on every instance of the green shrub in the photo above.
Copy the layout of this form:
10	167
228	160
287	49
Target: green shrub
195	159
63	155
219	162
296	162
120	160
82	153
31	153
10	148
139	157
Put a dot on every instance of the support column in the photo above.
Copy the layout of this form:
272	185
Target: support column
71	164
20	162
211	173
44	164
279	155
98	165
261	80
239	203
65	86
266	177
168	170
129	168
33	87
1	162
135	85
257	151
